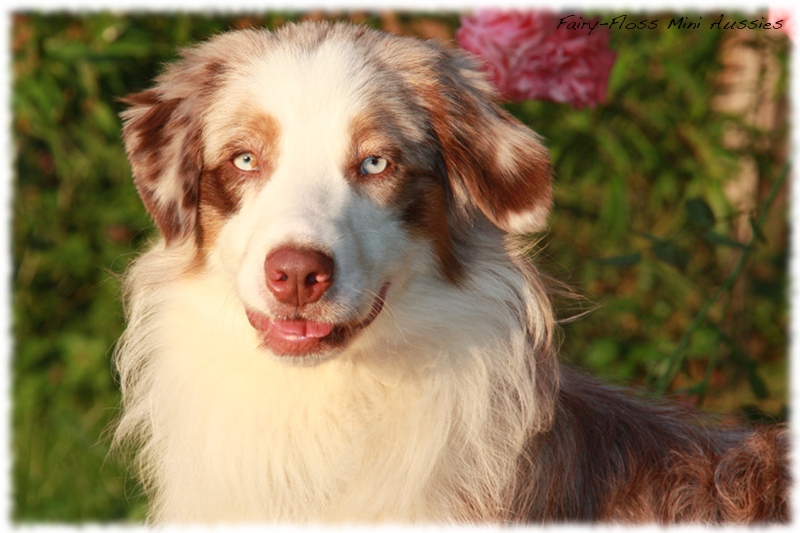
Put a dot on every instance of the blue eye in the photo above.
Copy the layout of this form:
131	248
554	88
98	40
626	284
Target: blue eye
373	165
246	161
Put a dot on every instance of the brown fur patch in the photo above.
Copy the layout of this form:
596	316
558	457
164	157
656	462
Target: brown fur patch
148	134
492	160
222	185
165	151
413	185
612	457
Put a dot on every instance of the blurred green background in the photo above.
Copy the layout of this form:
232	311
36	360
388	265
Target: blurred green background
670	218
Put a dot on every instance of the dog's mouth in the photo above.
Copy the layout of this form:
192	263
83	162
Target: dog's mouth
298	337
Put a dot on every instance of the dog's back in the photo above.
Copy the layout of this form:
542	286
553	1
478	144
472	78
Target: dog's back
612	457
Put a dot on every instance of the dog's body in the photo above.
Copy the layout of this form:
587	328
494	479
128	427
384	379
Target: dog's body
336	327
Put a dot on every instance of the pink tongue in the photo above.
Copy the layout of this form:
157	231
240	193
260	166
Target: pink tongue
301	328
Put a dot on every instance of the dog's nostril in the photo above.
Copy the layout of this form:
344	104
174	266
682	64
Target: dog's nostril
298	276
277	276
317	277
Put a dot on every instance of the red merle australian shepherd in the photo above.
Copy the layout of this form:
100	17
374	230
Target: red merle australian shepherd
336	325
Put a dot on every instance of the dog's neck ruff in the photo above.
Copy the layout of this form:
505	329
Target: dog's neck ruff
331	442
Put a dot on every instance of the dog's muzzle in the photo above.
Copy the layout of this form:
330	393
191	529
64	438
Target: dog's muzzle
297	278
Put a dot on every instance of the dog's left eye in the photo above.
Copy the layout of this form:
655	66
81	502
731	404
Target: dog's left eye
246	161
373	165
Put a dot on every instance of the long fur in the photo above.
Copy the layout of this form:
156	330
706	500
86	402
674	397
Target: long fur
420	431
451	406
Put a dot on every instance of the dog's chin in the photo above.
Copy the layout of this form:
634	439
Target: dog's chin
299	340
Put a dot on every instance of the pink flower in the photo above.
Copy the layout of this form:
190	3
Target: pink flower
527	56
784	16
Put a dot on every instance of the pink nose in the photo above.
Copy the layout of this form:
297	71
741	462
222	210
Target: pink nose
298	277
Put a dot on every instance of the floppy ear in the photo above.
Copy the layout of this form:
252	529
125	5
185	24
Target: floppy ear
165	155
163	137
493	161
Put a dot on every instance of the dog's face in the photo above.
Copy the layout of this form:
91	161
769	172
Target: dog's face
322	168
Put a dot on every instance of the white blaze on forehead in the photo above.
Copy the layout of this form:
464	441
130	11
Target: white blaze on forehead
313	96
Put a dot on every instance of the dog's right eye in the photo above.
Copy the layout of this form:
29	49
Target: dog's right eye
246	161
373	165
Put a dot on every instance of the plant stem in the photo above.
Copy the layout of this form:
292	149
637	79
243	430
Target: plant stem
678	354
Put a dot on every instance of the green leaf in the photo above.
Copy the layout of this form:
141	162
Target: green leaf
624	260
757	385
716	238
671	254
602	353
651	238
700	214
743	360
760	237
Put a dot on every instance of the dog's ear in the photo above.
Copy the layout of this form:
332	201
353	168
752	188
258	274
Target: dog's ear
492	160
163	145
163	130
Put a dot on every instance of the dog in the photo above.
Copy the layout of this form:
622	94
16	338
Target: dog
339	323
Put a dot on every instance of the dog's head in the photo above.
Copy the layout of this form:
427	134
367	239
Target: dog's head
323	166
